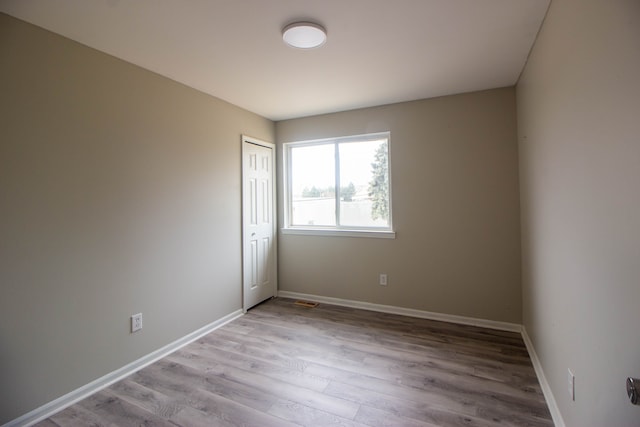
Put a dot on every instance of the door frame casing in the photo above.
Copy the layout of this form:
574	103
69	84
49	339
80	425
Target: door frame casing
255	141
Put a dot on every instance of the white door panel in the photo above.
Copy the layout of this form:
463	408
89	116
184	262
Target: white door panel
259	228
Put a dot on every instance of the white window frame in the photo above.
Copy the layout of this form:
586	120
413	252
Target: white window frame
337	230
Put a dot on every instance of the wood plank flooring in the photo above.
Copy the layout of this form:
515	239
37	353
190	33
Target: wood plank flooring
285	365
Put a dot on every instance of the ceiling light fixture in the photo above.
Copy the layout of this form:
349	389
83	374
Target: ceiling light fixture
304	35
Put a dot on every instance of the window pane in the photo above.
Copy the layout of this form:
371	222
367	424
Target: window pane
364	184
313	185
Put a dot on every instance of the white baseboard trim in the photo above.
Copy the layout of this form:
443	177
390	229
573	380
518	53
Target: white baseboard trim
451	318
86	390
542	379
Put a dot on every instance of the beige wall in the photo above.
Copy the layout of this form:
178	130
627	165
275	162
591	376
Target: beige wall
579	136
119	193
455	211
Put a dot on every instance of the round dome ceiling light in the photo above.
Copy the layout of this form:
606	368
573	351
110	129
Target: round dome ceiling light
304	35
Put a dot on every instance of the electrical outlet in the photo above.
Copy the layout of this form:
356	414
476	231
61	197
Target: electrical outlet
383	280
136	322
571	385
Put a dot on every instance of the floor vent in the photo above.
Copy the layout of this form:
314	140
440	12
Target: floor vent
307	304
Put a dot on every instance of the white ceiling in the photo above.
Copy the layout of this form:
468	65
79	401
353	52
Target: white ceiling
377	52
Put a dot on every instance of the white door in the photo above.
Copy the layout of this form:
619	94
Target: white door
258	222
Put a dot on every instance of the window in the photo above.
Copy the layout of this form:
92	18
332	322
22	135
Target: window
338	186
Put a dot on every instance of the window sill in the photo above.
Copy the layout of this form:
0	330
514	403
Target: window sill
384	234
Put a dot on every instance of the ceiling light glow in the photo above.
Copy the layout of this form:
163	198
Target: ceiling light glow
304	35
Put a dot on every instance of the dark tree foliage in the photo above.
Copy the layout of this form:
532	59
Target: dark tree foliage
313	192
379	185
348	192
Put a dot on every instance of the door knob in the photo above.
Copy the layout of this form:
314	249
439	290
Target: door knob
633	390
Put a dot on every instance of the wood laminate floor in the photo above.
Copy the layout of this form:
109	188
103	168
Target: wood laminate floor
285	365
